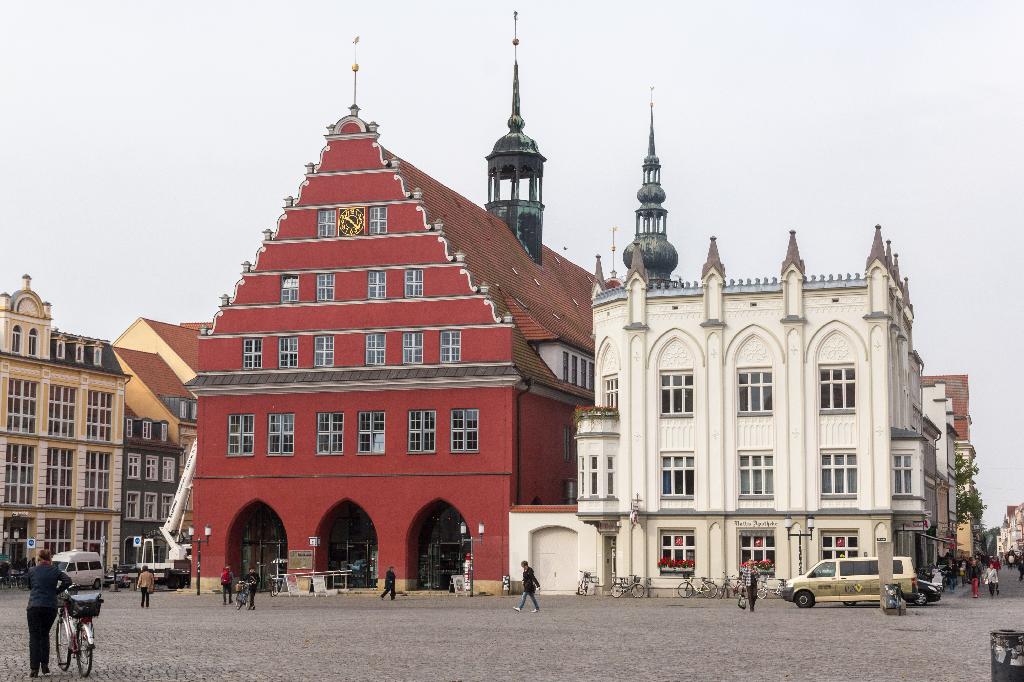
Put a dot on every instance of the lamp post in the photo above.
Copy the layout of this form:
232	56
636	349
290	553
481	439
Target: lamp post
207	531
472	556
788	523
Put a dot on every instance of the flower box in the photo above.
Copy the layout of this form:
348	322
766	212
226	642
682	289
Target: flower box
681	572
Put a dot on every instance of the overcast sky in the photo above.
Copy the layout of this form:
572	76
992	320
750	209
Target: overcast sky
144	146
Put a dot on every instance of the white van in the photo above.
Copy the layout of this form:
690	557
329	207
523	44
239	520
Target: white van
82	567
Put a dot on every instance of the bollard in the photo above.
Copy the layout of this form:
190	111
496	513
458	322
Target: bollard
1007	650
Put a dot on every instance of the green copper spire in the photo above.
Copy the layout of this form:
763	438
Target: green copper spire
515	121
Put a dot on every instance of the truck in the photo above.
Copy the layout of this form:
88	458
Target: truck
176	571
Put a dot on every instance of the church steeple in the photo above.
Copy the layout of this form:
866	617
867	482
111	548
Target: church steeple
515	175
660	257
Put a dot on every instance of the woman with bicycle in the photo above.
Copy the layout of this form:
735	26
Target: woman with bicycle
45	582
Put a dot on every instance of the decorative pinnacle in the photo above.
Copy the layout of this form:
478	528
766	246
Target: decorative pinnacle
355	75
650	140
793	254
877	250
599	273
714	261
515	121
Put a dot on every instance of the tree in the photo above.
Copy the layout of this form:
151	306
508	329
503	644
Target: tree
968	501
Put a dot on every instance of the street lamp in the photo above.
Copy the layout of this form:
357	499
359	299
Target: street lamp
207	531
472	555
788	523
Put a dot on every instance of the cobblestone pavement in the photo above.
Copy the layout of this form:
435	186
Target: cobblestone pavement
443	637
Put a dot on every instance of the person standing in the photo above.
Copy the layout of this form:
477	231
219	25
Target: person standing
389	583
253	582
147	583
750	578
992	578
45	582
1020	569
530	587
227	579
973	576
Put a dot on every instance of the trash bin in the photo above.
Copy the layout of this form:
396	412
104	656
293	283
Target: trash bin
1007	647
891	596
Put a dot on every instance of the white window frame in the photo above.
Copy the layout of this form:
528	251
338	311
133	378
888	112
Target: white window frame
376	349
281	433
97	356
147	429
323	351
903	475
131	504
325	286
98	415
20	480
378	220
372	432
97	479
252	353
16	340
60	349
582	487
166	501
149	506
609	484
676	393
422	431
241	434
163	430
755	388
287	352
79	352
327	222
33	343
836	545
413	283
289	288
681	473
330	433
167	470
611	391
59	469
749	549
678	545
838	473
377	284
451	346
757	472
152	468
133	470
22	403
412	348
465	429
837	388
57	534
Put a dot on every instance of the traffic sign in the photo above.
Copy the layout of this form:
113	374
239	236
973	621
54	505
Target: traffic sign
30	543
314	541
136	541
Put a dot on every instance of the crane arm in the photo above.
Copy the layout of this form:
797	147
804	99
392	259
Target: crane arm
175	548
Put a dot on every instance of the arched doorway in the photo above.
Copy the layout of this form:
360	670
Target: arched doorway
554	555
352	545
440	547
264	542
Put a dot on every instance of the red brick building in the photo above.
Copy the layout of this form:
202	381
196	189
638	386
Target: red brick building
396	361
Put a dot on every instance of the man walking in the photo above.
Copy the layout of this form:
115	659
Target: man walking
530	586
147	581
253	580
227	579
389	583
750	583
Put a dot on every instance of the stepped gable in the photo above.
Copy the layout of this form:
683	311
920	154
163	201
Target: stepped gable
151	370
184	339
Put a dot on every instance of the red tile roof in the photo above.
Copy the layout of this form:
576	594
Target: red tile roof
151	370
194	325
548	302
182	339
958	389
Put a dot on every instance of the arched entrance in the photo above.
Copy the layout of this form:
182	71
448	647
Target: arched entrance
554	555
439	547
264	542
352	545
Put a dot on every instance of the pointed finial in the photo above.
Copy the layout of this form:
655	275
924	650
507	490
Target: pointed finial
636	264
650	139
793	255
515	121
614	230
714	261
877	250
888	253
354	109
906	291
599	273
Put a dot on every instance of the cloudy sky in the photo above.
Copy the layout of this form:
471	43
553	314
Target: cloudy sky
144	146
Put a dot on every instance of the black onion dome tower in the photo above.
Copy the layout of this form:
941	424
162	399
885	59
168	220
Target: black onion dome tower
659	255
515	178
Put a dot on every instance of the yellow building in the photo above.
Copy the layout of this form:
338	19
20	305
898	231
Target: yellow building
61	432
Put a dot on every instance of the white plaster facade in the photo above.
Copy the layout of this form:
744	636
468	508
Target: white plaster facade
711	332
556	543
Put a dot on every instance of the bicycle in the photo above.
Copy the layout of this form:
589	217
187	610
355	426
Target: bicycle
628	585
732	585
587	580
277	585
706	588
763	591
75	634
242	596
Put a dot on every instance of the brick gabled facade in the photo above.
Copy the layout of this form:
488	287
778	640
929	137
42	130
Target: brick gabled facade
376	252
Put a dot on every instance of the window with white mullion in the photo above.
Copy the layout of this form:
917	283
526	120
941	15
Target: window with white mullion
281	434
59	462
609	489
371	432
99	413
465	430
451	346
149	506
289	288
757	475
325	287
378	220
838	388
241	434
327	222
252	353
679	546
611	391
97	480
757	546
330	433
412	348
839	545
376	284
375	349
152	462
582	488
134	466
755	391
20	480
594	472
323	351
62	411
903	471
167	470
677	475
676	394
422	430
21	405
413	283
288	351
838	474
131	505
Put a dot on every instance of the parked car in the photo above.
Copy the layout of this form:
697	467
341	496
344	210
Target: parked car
82	567
926	594
848	581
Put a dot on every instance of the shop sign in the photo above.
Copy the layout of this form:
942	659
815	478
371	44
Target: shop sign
757	524
300	559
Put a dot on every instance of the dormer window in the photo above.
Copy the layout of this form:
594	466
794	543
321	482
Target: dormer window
163	430
79	353
60	349
183	409
147	429
16	339
97	356
128	428
33	342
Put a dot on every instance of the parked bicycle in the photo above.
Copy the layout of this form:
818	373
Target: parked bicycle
277	585
763	591
242	594
732	585
75	634
705	588
631	584
587	584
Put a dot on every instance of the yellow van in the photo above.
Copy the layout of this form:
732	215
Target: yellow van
848	581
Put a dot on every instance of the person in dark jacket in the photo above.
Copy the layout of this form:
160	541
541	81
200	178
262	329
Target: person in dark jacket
750	579
530	586
389	583
254	581
974	576
45	582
